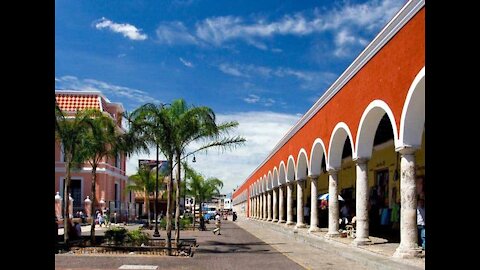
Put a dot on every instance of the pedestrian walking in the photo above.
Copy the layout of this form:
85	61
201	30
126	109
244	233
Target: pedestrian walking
217	224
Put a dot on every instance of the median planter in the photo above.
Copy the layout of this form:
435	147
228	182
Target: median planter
119	240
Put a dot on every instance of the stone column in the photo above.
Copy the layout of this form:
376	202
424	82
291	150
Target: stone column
264	206
258	206
289	204
261	206
269	205
281	202
257	203
275	206
408	247
313	204
250	207
361	203
332	203
255	206
300	216
259	213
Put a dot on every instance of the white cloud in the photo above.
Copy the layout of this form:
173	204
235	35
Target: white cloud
186	63
127	30
227	69
174	33
262	131
252	99
372	14
310	79
73	83
355	18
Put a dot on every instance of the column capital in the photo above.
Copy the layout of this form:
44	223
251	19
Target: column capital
406	149
332	170
303	179
360	160
313	176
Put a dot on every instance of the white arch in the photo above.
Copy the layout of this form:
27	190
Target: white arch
335	147
282	175
318	149
302	169
269	181
413	113
276	182
368	127
290	169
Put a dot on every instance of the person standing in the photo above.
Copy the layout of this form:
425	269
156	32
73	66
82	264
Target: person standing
421	222
217	224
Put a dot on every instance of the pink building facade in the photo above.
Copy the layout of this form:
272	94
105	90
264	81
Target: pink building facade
111	177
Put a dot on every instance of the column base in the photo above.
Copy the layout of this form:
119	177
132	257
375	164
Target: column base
361	241
269	219
313	229
407	253
332	235
281	221
300	225
274	220
290	223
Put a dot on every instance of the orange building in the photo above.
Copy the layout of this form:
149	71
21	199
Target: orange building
363	139
111	177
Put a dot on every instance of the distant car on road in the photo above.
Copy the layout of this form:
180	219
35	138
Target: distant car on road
208	216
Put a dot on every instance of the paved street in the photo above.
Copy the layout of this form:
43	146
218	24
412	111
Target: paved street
234	249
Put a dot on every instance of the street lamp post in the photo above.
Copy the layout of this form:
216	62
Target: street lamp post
185	177
156	233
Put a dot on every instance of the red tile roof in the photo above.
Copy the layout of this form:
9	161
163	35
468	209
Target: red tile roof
69	102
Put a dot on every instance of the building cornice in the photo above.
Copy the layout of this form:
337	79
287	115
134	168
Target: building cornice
411	8
99	171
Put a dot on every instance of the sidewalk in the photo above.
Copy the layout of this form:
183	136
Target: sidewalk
376	256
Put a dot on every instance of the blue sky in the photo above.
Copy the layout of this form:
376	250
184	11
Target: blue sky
251	61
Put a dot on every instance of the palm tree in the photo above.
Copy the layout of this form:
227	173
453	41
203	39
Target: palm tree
191	124
69	130
154	127
97	144
143	181
203	190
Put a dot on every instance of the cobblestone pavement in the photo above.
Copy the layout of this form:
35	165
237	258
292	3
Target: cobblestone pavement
235	248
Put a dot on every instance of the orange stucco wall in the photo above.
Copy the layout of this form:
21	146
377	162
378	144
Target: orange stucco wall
387	76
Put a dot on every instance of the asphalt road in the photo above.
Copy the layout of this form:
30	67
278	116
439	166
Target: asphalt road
235	248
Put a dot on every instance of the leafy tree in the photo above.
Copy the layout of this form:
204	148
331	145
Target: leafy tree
203	190
192	124
69	130
97	145
152	126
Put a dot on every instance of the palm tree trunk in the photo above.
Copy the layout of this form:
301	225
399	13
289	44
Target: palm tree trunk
94	202
177	202
146	205
169	207
66	197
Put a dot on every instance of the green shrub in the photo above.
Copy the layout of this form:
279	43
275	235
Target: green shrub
116	235
137	237
186	221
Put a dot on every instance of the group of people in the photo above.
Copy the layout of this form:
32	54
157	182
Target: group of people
103	217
